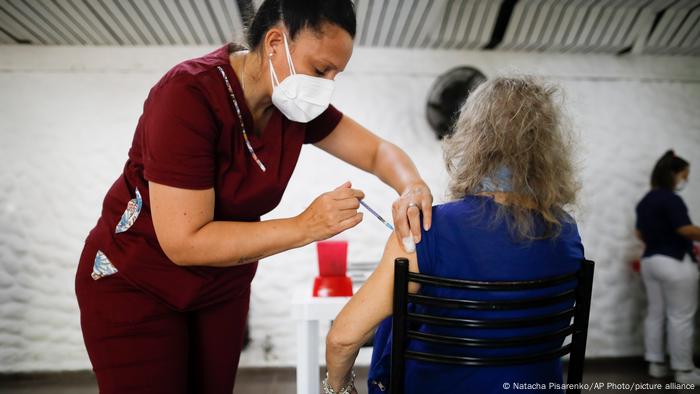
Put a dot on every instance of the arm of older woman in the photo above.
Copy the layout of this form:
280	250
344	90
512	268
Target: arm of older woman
361	315
356	145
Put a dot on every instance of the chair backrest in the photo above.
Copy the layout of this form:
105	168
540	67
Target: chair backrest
579	297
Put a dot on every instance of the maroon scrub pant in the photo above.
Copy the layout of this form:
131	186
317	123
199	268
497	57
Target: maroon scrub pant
137	344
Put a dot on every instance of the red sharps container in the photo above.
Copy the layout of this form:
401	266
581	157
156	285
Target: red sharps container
332	280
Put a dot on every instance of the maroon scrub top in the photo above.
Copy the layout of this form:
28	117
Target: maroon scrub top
189	137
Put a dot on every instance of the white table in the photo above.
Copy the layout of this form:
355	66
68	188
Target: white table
308	312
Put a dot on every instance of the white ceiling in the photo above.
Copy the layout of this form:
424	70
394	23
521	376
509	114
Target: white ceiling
607	26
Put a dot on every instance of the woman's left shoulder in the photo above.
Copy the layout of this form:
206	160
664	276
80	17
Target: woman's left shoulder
569	236
568	224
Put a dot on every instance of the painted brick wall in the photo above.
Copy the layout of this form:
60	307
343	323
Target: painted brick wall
67	117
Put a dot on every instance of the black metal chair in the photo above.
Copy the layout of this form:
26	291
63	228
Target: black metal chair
578	296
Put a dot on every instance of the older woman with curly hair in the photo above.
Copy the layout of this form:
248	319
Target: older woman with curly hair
511	181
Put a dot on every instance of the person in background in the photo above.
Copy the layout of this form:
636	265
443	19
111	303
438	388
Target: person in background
511	177
669	270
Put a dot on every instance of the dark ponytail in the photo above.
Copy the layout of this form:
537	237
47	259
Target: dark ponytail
299	14
665	170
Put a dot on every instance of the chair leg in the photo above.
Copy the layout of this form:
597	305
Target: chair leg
398	326
580	335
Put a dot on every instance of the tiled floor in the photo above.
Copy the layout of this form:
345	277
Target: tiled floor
612	374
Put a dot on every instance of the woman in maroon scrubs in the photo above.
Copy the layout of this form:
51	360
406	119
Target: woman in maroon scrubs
164	278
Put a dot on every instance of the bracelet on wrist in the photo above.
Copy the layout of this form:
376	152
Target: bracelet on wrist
346	389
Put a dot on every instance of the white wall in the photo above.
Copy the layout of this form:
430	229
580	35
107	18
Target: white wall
67	117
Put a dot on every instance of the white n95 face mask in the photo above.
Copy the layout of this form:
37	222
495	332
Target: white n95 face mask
681	185
300	97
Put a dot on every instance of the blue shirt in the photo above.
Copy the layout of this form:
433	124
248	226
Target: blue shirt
466	241
659	214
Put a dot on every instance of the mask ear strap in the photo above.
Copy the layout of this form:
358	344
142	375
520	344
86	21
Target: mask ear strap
289	55
273	74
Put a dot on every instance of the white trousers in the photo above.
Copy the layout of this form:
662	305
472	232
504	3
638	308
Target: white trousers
672	297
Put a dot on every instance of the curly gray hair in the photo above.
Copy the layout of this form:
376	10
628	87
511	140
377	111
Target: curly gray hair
515	123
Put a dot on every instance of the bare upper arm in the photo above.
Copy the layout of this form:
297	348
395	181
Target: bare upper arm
352	143
374	301
178	214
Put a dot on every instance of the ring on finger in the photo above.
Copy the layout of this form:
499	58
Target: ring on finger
412	204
